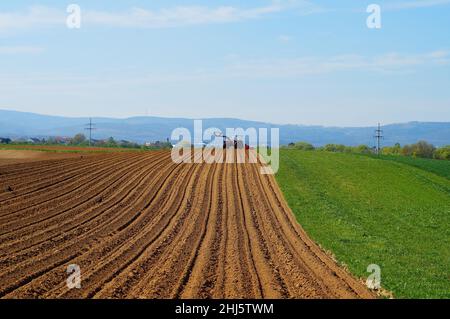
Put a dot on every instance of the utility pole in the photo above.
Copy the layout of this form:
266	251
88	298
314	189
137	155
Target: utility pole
90	127
378	136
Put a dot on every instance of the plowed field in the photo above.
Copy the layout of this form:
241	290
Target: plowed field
23	156
140	226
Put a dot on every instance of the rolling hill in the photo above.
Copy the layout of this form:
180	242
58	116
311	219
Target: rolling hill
143	129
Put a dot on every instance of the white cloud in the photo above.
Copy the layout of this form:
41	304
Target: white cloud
415	4
177	16
391	62
440	54
33	17
276	68
20	50
194	15
285	38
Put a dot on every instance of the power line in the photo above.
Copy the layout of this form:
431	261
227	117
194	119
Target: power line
90	127
379	136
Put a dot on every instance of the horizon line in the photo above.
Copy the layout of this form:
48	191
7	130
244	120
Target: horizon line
218	118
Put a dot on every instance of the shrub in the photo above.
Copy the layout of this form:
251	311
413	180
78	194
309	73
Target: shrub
392	150
78	139
362	149
442	153
334	148
420	149
304	146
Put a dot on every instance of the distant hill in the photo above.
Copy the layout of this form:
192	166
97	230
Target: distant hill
143	129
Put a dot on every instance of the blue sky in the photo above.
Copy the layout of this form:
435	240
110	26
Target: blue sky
286	61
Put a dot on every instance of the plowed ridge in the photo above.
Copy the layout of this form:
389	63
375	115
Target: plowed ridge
140	226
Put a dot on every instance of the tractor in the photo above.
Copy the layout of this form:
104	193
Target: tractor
232	143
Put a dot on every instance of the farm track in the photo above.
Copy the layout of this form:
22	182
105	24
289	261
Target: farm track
141	226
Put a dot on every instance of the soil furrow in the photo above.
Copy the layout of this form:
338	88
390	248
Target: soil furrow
97	251
70	198
47	183
140	226
100	217
89	246
31	200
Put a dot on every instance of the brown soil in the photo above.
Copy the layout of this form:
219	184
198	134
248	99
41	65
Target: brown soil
24	156
140	226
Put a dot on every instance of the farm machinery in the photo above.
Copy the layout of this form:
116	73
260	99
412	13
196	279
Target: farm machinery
232	143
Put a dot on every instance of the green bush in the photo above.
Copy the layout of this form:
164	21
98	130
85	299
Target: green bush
78	139
442	153
392	150
303	146
420	149
335	148
362	149
340	148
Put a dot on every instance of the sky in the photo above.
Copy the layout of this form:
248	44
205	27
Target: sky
284	61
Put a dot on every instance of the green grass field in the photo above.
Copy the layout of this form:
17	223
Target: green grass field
375	211
438	167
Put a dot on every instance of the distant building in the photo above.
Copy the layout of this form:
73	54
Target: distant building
158	144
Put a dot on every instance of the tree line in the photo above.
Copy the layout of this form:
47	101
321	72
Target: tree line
81	140
420	149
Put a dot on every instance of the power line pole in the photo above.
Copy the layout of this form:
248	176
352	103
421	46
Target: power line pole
90	127
378	136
